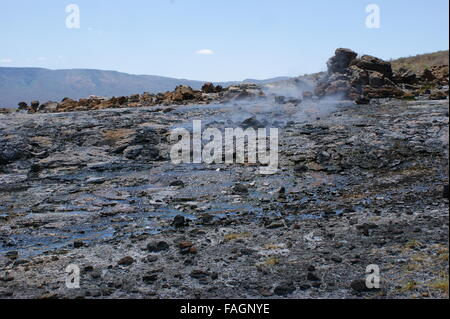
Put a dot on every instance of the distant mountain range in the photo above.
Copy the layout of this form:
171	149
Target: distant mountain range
29	84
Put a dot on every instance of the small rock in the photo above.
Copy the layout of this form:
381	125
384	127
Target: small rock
247	252
151	259
20	262
23	106
206	218
95	293
265	292
313	166
179	221
6	293
300	169
311	268
150	278
316	284
240	189
445	192
12	255
284	289
34	105
362	100
438	95
251	123
186	247
157	247
359	285
312	277
96	274
7	278
199	274
188	262
48	295
88	268
177	183
214	276
304	287
126	261
275	225
336	259
78	244
365	228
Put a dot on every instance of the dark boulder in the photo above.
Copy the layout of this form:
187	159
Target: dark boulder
405	76
34	106
179	221
341	60
208	88
23	106
284	289
427	76
183	92
368	62
157	246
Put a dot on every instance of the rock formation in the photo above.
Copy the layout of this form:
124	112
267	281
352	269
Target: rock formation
368	77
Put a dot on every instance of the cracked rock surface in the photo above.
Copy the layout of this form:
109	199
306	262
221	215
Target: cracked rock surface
357	186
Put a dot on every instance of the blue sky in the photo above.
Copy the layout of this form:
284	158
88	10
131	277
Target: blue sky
248	38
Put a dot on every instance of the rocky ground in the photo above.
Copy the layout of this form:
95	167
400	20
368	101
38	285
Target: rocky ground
357	185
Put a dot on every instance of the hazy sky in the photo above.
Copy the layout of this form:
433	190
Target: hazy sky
214	39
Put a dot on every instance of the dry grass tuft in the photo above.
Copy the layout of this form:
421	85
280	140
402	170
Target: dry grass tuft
420	62
236	236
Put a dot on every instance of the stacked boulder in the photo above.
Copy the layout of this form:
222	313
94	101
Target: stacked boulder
210	88
182	93
358	78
